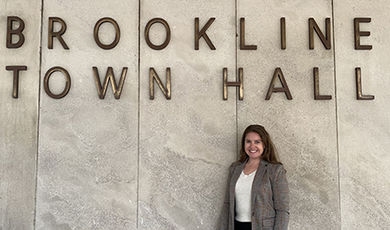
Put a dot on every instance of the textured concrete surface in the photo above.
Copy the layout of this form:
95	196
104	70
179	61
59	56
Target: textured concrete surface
363	125
18	118
87	162
303	129
136	163
188	142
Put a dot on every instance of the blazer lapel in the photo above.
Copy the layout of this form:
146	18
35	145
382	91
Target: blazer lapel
236	174
257	180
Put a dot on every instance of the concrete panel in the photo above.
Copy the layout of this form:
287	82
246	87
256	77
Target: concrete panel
87	162
19	117
188	142
303	129
364	126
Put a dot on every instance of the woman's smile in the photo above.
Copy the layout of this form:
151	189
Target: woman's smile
253	145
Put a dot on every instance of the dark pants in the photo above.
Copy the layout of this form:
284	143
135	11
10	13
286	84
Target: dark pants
242	225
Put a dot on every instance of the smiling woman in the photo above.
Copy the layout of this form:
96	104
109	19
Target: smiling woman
257	195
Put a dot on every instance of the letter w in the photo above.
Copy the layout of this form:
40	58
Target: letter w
109	77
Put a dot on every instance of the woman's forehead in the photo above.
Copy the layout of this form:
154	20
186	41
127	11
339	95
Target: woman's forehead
253	135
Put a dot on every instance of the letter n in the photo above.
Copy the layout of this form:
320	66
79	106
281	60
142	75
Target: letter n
153	76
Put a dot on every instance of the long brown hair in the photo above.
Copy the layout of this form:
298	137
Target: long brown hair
269	153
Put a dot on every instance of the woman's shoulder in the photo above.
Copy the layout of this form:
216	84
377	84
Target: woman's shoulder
276	168
274	165
235	164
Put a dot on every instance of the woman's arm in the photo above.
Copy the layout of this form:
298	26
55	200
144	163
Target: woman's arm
281	198
224	219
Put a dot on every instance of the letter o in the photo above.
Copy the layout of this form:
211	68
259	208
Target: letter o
167	29
96	33
46	82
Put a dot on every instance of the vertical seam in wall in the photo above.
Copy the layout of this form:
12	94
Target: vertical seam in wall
336	113
38	118
237	73
139	107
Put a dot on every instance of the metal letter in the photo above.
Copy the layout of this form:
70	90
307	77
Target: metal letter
324	39
16	69
278	74
46	82
202	33
109	77
11	31
283	33
358	33
96	33
153	76
317	95
359	94
242	37
239	84
58	34
167	29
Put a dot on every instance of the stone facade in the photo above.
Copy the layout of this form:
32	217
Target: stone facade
132	162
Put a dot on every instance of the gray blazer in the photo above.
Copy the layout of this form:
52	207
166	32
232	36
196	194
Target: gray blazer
270	197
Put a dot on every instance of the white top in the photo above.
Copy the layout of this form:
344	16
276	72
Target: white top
243	197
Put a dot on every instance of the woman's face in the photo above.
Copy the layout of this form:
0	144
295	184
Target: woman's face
253	145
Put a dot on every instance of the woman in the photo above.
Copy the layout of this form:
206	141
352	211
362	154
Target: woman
257	196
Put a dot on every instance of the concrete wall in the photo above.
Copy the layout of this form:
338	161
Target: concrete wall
19	117
87	156
81	162
364	126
